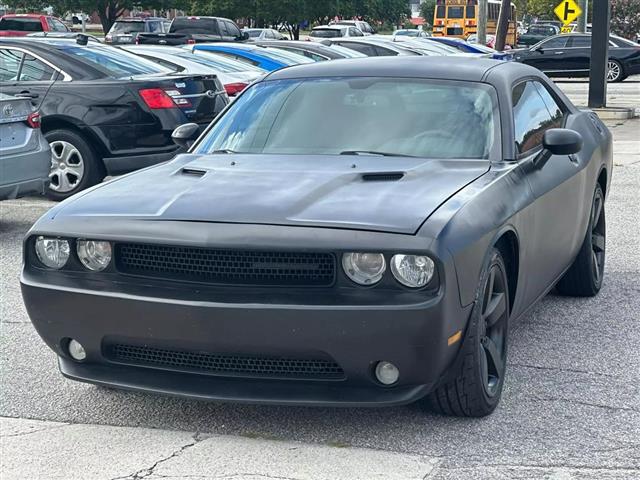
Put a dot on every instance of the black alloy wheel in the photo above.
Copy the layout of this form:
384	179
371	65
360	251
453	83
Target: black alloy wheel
585	276
474	385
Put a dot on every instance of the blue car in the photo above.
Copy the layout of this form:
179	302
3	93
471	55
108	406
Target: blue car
264	57
471	47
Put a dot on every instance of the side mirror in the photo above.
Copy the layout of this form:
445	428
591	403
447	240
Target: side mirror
558	141
243	36
184	135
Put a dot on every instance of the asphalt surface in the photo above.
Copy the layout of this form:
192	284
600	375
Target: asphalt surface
571	402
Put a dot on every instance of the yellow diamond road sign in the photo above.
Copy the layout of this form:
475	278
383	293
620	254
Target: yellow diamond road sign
567	11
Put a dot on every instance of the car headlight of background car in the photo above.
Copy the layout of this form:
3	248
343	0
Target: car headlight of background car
52	252
94	254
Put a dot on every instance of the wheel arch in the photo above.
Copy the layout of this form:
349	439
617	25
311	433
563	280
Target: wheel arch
508	245
602	180
56	122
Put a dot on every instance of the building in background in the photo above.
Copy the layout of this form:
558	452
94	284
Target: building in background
415	7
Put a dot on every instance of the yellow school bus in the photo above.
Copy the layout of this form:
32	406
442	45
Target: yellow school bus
459	18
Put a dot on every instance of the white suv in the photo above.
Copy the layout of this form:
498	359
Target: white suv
361	25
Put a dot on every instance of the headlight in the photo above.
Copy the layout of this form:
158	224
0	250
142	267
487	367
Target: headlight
52	252
94	254
413	271
364	268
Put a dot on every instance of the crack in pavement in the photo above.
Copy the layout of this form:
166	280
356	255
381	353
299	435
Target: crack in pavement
586	404
567	370
227	476
148	471
44	429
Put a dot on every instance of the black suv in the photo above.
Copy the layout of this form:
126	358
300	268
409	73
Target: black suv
195	30
104	111
126	30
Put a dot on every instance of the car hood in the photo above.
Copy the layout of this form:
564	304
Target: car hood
387	194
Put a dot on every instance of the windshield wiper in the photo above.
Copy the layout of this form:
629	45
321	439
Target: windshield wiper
373	152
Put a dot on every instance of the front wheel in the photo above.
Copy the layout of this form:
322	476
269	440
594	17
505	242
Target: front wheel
476	388
615	73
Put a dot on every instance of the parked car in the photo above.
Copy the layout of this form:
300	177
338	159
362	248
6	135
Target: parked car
569	55
372	46
234	75
323	32
263	34
361	25
76	17
104	111
379	258
126	30
25	157
490	40
189	30
413	32
314	50
467	47
268	59
536	33
20	25
423	46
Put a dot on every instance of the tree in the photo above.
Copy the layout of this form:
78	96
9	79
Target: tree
625	18
427	10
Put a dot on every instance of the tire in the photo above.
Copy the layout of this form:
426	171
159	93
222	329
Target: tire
476	386
615	72
74	164
584	277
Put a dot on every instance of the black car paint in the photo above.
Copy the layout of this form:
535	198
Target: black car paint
308	49
110	113
570	61
541	213
181	38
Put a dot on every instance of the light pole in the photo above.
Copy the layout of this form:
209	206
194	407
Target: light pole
482	22
582	19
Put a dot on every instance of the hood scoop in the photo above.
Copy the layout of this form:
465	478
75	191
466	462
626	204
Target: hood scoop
196	172
382	176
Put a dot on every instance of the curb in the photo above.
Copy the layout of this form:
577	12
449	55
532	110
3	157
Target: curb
615	113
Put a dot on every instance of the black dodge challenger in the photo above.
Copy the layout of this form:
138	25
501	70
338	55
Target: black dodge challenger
356	232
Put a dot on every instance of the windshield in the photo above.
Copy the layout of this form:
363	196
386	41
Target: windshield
115	62
21	24
127	27
407	33
329	116
326	33
253	33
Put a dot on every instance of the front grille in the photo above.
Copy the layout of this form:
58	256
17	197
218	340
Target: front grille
226	267
225	364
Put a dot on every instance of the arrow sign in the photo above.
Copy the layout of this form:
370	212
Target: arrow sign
567	11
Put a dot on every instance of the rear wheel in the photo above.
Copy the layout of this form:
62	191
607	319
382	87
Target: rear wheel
584	277
615	72
74	165
476	388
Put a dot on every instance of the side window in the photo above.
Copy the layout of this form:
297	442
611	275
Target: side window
33	70
223	28
9	65
579	42
354	32
530	115
557	42
58	26
232	29
368	50
555	110
155	26
385	52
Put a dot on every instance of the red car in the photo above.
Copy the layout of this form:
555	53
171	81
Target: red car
20	25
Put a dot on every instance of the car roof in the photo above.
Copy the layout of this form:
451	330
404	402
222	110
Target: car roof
25	15
329	27
136	19
444	68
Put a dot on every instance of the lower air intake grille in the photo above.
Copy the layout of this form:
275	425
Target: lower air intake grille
224	364
226	267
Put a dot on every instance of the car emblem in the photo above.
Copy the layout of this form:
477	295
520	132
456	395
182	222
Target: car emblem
7	110
180	85
211	93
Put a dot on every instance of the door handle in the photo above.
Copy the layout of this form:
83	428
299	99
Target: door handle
559	53
26	95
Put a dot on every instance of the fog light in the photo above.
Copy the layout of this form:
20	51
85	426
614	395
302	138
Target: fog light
76	350
387	373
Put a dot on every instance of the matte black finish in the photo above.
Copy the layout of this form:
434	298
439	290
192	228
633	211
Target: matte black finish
109	112
455	211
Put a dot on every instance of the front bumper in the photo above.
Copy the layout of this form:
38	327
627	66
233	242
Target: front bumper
413	336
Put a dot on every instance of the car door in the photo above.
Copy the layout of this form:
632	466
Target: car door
558	211
578	53
33	77
549	55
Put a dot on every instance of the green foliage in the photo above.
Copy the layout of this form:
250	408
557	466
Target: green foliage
625	18
427	10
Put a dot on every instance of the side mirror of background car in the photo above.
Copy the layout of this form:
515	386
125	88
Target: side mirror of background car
558	141
184	135
243	36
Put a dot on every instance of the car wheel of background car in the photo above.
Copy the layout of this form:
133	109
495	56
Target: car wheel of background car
74	166
475	389
584	278
614	71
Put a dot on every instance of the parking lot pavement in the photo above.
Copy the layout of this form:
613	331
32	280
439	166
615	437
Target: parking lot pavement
623	94
570	409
